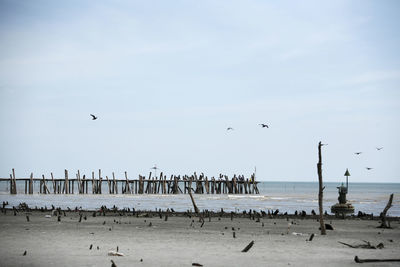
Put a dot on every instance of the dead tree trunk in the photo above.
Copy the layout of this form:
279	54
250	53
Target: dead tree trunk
321	189
383	214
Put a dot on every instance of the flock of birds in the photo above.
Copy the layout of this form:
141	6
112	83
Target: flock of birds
263	125
360	152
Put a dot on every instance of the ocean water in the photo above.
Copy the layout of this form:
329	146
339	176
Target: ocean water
285	196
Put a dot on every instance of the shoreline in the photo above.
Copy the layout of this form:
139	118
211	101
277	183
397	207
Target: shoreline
148	239
251	213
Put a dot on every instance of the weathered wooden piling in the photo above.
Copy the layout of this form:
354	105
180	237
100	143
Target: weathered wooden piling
152	185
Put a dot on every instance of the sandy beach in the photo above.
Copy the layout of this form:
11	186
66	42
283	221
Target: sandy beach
149	240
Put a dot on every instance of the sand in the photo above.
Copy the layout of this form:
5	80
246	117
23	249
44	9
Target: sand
181	242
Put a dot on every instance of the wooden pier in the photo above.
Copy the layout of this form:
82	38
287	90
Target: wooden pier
152	185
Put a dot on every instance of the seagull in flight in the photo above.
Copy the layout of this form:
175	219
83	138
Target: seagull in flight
263	125
358	153
154	168
379	148
229	128
93	117
368	168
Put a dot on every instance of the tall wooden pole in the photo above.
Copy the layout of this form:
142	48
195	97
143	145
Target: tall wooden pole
321	189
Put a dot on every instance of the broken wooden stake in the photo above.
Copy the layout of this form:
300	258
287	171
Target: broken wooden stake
248	247
311	237
196	209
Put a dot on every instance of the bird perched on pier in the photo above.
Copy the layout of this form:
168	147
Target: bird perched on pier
263	125
229	129
93	117
379	148
357	153
368	168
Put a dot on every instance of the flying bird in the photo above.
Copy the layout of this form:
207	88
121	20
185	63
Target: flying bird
229	128
357	153
154	168
93	117
264	125
379	148
368	168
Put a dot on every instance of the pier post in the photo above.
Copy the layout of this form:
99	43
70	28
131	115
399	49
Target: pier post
54	183
31	184
127	188
66	182
109	185
100	182
93	185
14	183
115	185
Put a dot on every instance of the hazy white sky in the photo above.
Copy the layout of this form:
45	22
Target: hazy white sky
166	79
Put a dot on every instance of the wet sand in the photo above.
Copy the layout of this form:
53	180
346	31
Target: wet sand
180	241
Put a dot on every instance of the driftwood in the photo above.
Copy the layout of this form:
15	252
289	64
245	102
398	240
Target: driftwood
367	245
358	260
311	237
383	214
248	247
196	209
321	189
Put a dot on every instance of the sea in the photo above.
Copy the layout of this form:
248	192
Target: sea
285	196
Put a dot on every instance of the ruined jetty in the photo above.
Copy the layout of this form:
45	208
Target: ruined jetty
176	184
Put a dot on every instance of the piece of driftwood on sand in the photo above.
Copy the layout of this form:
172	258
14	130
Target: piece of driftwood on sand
248	247
358	260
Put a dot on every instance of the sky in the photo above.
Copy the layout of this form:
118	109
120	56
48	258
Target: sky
167	78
